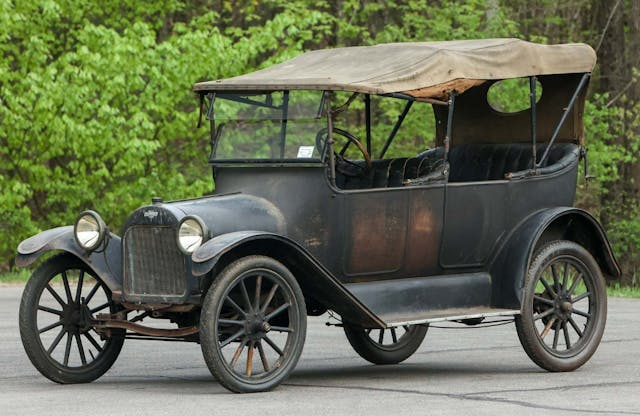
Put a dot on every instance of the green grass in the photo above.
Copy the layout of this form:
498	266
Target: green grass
623	291
22	275
17	276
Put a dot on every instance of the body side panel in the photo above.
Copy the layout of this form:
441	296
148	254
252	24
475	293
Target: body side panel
480	216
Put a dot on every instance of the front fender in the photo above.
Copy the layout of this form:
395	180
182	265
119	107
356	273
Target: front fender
314	279
208	254
106	263
509	267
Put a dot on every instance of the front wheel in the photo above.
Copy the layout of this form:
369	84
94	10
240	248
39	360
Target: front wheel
58	306
564	307
253	325
385	346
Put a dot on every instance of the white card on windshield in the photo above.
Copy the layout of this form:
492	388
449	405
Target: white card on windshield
305	152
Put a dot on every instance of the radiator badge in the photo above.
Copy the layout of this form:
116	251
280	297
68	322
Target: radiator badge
151	214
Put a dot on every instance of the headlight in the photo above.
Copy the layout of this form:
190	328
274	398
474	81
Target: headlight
191	234
89	230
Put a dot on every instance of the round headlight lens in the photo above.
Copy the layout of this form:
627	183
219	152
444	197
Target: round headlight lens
89	230
191	235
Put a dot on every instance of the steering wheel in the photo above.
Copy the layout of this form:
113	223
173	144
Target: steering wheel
320	145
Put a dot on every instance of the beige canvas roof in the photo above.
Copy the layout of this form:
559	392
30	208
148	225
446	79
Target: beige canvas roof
420	69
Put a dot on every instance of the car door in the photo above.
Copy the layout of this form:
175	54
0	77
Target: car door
392	232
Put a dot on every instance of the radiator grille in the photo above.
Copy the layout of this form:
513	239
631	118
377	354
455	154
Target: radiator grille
153	264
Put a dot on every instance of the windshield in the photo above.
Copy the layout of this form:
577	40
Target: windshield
292	126
274	126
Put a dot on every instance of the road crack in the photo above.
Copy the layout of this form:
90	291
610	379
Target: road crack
484	396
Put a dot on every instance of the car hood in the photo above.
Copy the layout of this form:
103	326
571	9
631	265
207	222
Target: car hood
221	213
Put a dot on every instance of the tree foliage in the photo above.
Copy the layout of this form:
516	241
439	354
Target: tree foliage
96	109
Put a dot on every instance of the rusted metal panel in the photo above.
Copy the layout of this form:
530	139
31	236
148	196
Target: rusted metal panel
106	322
158	307
375	237
424	231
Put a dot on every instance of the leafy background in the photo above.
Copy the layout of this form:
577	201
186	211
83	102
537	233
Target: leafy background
96	109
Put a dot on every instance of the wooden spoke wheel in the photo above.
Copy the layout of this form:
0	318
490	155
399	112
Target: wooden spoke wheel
253	325
58	305
386	346
564	307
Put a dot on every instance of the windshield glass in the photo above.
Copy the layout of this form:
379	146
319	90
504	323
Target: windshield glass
291	126
280	125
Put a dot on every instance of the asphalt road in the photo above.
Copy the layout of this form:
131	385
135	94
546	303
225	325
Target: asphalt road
456	371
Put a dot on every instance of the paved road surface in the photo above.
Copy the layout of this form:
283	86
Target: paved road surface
456	371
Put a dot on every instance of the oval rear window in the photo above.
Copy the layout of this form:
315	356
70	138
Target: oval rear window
512	95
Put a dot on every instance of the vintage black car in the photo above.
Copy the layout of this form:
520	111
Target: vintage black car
314	211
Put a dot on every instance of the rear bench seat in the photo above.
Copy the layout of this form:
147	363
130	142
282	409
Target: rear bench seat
468	163
490	162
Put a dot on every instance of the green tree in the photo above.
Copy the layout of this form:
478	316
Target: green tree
96	109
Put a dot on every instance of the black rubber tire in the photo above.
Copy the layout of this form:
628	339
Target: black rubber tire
549	357
381	354
210	338
29	333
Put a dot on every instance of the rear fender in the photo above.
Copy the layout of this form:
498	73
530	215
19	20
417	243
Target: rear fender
106	263
316	282
510	265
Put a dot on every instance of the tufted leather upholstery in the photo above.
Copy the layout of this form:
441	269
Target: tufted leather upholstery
468	163
488	162
388	173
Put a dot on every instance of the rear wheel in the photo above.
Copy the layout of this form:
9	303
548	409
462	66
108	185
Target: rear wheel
253	325
58	306
386	346
564	307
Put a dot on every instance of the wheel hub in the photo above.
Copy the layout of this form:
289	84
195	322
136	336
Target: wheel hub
566	307
563	306
257	326
76	318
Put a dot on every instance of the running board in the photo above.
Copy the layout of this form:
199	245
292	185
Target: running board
448	315
421	300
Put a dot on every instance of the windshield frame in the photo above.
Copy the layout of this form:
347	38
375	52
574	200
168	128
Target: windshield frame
244	97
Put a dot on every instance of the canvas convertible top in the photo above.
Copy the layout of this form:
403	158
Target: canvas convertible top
418	69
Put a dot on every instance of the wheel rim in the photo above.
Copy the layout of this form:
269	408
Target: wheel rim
565	307
257	326
391	339
64	314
